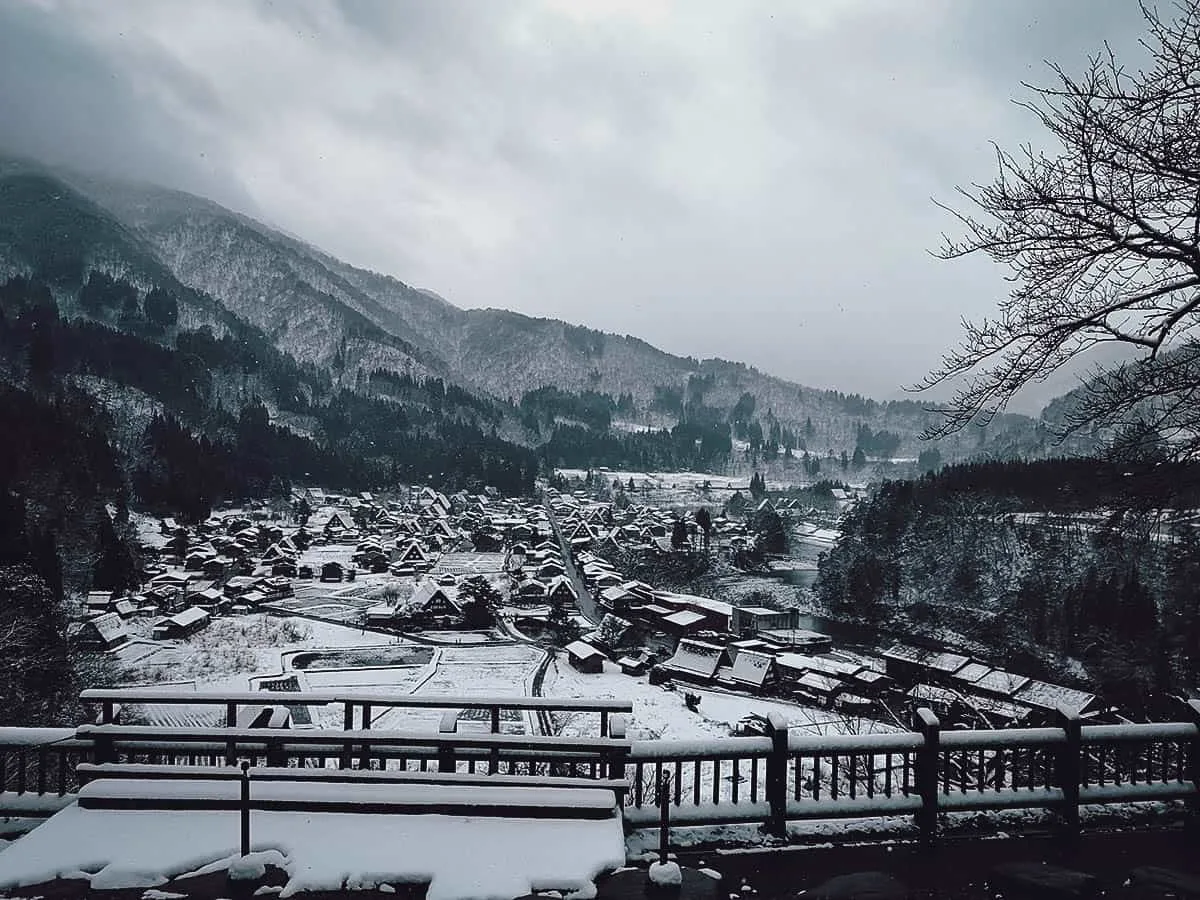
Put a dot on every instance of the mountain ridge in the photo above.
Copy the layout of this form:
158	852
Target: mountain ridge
353	321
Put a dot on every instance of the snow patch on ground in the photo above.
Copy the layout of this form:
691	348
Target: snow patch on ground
666	874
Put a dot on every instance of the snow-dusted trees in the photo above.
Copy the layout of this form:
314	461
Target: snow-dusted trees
1101	235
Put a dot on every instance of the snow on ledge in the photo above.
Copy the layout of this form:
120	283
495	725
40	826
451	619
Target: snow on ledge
508	857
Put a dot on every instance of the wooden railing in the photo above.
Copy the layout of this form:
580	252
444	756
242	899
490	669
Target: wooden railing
358	709
39	763
921	773
444	751
770	779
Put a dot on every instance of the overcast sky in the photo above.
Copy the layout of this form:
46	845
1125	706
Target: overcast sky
751	180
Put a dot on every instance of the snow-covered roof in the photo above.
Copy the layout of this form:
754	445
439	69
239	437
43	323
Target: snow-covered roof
947	662
819	664
189	616
582	650
760	611
109	626
821	684
1042	695
752	668
685	618
1000	682
707	603
972	671
697	658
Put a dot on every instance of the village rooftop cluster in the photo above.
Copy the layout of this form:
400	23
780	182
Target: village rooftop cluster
403	565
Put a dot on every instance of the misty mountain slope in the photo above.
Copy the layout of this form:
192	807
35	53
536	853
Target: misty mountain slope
54	233
272	281
351	322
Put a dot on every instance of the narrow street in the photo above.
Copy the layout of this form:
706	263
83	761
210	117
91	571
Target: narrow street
587	605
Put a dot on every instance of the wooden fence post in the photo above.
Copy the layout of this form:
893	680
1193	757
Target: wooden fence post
445	754
244	808
1193	767
1069	769
927	774
614	766
777	776
275	755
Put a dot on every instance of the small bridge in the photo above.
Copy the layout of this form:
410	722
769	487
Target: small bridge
773	779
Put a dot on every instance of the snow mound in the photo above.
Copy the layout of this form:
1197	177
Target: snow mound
116	878
253	866
666	874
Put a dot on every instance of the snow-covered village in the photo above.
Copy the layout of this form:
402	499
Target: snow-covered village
599	450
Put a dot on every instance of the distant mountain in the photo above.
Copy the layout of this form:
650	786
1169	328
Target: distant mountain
350	323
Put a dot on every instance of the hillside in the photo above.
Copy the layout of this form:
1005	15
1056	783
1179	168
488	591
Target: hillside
361	329
330	313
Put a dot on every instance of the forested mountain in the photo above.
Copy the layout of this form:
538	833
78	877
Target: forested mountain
326	312
1079	569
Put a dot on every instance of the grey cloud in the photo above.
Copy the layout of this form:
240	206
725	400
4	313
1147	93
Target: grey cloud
747	179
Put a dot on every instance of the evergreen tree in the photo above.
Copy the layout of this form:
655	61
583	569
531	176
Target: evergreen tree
115	568
679	535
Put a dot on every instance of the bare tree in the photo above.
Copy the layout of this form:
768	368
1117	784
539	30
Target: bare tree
1101	237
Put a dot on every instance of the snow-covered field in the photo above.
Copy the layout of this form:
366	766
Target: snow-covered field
236	653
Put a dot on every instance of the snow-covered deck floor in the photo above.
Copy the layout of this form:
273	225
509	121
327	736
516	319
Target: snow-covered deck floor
460	856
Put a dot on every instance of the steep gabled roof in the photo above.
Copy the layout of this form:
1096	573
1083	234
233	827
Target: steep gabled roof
698	658
753	668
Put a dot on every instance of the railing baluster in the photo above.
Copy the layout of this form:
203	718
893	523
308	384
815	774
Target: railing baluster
716	792
737	776
870	775
833	779
798	773
43	763
22	764
678	786
887	776
753	779
852	760
696	782
637	786
816	791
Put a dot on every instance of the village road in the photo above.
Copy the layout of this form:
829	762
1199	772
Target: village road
587	605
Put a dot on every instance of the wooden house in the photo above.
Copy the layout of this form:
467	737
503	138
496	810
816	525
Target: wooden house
585	657
750	620
103	632
435	603
182	624
754	670
560	590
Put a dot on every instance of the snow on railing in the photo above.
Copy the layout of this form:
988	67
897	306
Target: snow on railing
40	761
771	779
921	773
357	708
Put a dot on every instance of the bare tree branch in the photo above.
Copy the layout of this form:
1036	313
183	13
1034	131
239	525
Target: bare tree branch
1101	239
